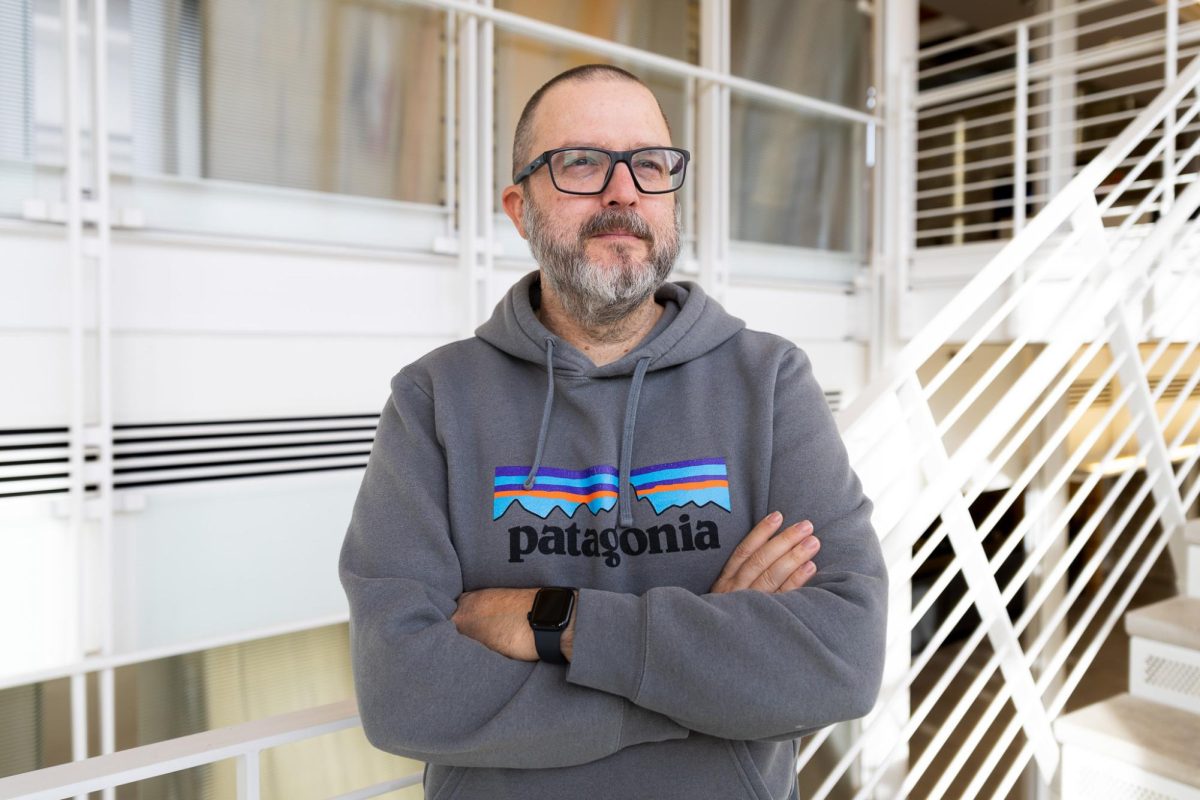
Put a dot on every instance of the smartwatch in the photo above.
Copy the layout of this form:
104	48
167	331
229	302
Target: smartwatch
549	617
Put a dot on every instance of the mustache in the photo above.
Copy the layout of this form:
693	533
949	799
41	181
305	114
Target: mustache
616	220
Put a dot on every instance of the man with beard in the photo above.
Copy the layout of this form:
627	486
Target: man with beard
567	565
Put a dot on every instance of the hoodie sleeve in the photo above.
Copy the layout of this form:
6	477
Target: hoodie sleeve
424	690
746	664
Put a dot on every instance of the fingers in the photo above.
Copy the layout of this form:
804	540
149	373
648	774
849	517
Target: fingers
762	560
782	568
758	535
799	577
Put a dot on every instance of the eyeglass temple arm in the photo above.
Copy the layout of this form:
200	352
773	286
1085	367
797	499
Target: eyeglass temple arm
530	169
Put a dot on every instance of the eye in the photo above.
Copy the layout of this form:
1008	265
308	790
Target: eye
649	165
580	160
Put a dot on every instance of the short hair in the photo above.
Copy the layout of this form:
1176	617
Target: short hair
523	137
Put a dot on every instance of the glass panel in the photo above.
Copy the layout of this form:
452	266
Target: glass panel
666	27
16	106
305	94
820	48
34	727
797	179
226	557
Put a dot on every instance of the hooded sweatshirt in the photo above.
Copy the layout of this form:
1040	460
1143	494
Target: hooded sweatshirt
511	460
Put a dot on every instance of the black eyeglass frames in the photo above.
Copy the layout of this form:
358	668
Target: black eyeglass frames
587	170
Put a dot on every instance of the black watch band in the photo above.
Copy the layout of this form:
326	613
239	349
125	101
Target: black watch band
549	617
549	646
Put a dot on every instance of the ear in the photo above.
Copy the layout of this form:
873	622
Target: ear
513	200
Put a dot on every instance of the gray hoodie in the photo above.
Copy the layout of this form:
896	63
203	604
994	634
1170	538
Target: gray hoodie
510	460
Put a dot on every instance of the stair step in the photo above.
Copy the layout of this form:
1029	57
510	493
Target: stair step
1144	737
1175	621
1164	653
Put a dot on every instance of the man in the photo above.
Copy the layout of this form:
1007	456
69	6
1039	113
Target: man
552	590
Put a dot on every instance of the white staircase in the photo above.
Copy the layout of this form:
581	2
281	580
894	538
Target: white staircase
1145	744
1063	377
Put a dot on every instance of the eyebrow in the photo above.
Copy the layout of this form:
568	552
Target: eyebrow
602	147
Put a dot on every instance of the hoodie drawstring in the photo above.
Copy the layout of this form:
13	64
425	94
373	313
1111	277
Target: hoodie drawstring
541	441
625	490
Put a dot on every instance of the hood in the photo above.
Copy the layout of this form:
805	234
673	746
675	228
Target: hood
698	325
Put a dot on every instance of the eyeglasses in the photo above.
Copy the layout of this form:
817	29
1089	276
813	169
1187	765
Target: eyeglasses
587	170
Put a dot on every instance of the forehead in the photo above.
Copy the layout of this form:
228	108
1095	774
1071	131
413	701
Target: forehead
616	114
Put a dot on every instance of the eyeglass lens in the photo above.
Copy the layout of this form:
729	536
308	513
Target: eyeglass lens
584	169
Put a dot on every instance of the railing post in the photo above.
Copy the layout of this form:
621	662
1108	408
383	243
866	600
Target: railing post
1020	130
249	781
713	228
1170	70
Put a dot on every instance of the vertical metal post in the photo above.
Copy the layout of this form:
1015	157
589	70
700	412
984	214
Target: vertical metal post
100	252
451	120
485	129
1170	72
960	176
1020	129
249	779
712	233
1059	99
77	524
899	163
468	168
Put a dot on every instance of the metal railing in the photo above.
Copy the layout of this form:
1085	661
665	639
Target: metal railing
1091	292
244	742
1007	116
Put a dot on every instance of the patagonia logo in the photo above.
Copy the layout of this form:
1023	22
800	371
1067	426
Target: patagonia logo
698	481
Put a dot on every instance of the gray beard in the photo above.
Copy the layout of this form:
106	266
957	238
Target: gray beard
599	298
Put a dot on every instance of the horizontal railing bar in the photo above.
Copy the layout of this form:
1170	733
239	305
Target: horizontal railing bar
992	33
97	663
1094	97
174	755
1098	25
972	207
1004	223
1104	54
978	58
994	96
1146	159
566	37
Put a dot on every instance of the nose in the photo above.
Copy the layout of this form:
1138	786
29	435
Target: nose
621	190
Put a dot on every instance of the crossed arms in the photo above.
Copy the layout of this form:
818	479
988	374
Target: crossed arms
744	661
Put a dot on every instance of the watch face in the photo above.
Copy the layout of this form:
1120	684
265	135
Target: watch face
552	608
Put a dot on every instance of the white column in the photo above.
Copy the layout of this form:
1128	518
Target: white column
712	145
892	262
1058	96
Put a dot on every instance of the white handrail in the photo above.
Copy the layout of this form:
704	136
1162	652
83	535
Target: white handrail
148	761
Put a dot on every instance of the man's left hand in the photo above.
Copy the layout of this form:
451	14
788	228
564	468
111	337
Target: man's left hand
496	619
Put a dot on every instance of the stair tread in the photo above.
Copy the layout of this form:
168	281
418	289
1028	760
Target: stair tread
1174	621
1154	737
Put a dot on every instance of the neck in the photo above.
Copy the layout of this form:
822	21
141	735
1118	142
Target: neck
601	345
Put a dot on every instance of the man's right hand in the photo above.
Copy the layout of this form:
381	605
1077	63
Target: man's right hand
771	564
